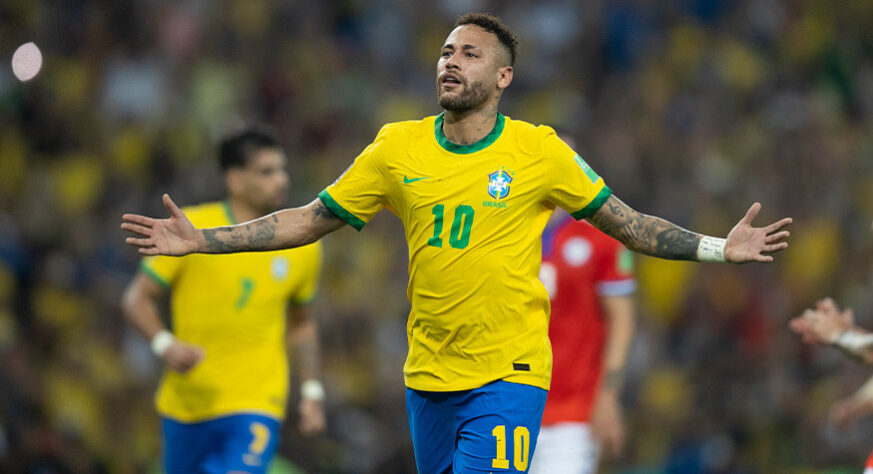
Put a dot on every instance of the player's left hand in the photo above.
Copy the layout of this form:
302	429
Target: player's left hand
754	244
312	419
607	424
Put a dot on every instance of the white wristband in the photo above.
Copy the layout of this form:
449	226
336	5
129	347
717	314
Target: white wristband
711	249
312	390
161	342
854	342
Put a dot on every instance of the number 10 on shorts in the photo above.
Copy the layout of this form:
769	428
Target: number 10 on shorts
521	448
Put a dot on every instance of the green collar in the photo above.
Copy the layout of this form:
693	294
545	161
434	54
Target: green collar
472	148
228	212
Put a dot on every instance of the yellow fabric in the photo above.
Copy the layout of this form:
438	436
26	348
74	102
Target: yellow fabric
479	312
234	306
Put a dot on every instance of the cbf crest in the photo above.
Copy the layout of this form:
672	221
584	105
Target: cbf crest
279	267
498	184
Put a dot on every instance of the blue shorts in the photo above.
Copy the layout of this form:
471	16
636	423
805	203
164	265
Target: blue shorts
492	428
242	443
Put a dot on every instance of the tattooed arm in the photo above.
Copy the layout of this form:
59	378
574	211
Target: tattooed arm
282	229
660	238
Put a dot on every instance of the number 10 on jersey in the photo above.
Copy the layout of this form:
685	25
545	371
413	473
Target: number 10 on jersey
459	236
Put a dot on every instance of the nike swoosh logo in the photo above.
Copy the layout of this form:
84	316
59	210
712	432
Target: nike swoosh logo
412	180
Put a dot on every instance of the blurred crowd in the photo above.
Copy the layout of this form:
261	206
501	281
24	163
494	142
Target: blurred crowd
690	109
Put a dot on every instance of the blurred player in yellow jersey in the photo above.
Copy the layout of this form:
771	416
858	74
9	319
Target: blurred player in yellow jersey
223	397
474	190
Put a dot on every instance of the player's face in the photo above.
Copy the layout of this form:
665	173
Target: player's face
263	182
471	69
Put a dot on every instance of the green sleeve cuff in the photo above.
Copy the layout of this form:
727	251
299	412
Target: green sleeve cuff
594	205
153	274
303	301
338	210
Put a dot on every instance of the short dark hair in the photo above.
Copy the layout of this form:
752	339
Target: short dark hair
236	150
492	24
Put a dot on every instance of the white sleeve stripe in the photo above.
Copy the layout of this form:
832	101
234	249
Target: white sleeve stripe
616	288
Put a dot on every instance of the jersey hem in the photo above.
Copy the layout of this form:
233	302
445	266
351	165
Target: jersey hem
594	205
535	381
340	212
153	274
215	416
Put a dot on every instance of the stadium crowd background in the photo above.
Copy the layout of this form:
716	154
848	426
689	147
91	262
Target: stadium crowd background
690	109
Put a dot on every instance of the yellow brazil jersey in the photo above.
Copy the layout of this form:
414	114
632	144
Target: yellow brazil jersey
234	306
473	217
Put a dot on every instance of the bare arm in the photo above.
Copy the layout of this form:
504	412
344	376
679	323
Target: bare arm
826	324
607	420
660	238
282	229
303	337
140	306
619	311
845	411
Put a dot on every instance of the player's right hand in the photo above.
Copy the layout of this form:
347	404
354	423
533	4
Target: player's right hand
173	236
182	357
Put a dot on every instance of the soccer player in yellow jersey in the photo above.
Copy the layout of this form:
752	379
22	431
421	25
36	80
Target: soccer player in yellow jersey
223	398
474	190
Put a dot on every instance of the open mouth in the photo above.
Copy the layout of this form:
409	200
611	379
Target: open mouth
451	80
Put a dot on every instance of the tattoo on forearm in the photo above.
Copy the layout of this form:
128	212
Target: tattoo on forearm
320	211
262	233
647	234
257	235
677	239
214	243
298	226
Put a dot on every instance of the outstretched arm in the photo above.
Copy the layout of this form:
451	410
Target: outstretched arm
282	229
827	325
660	238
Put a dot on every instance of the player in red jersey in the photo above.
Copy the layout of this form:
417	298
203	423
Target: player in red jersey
589	277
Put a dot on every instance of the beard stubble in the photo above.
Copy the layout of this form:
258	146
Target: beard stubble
472	97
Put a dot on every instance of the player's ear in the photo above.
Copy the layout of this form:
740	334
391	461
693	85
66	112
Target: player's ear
504	77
